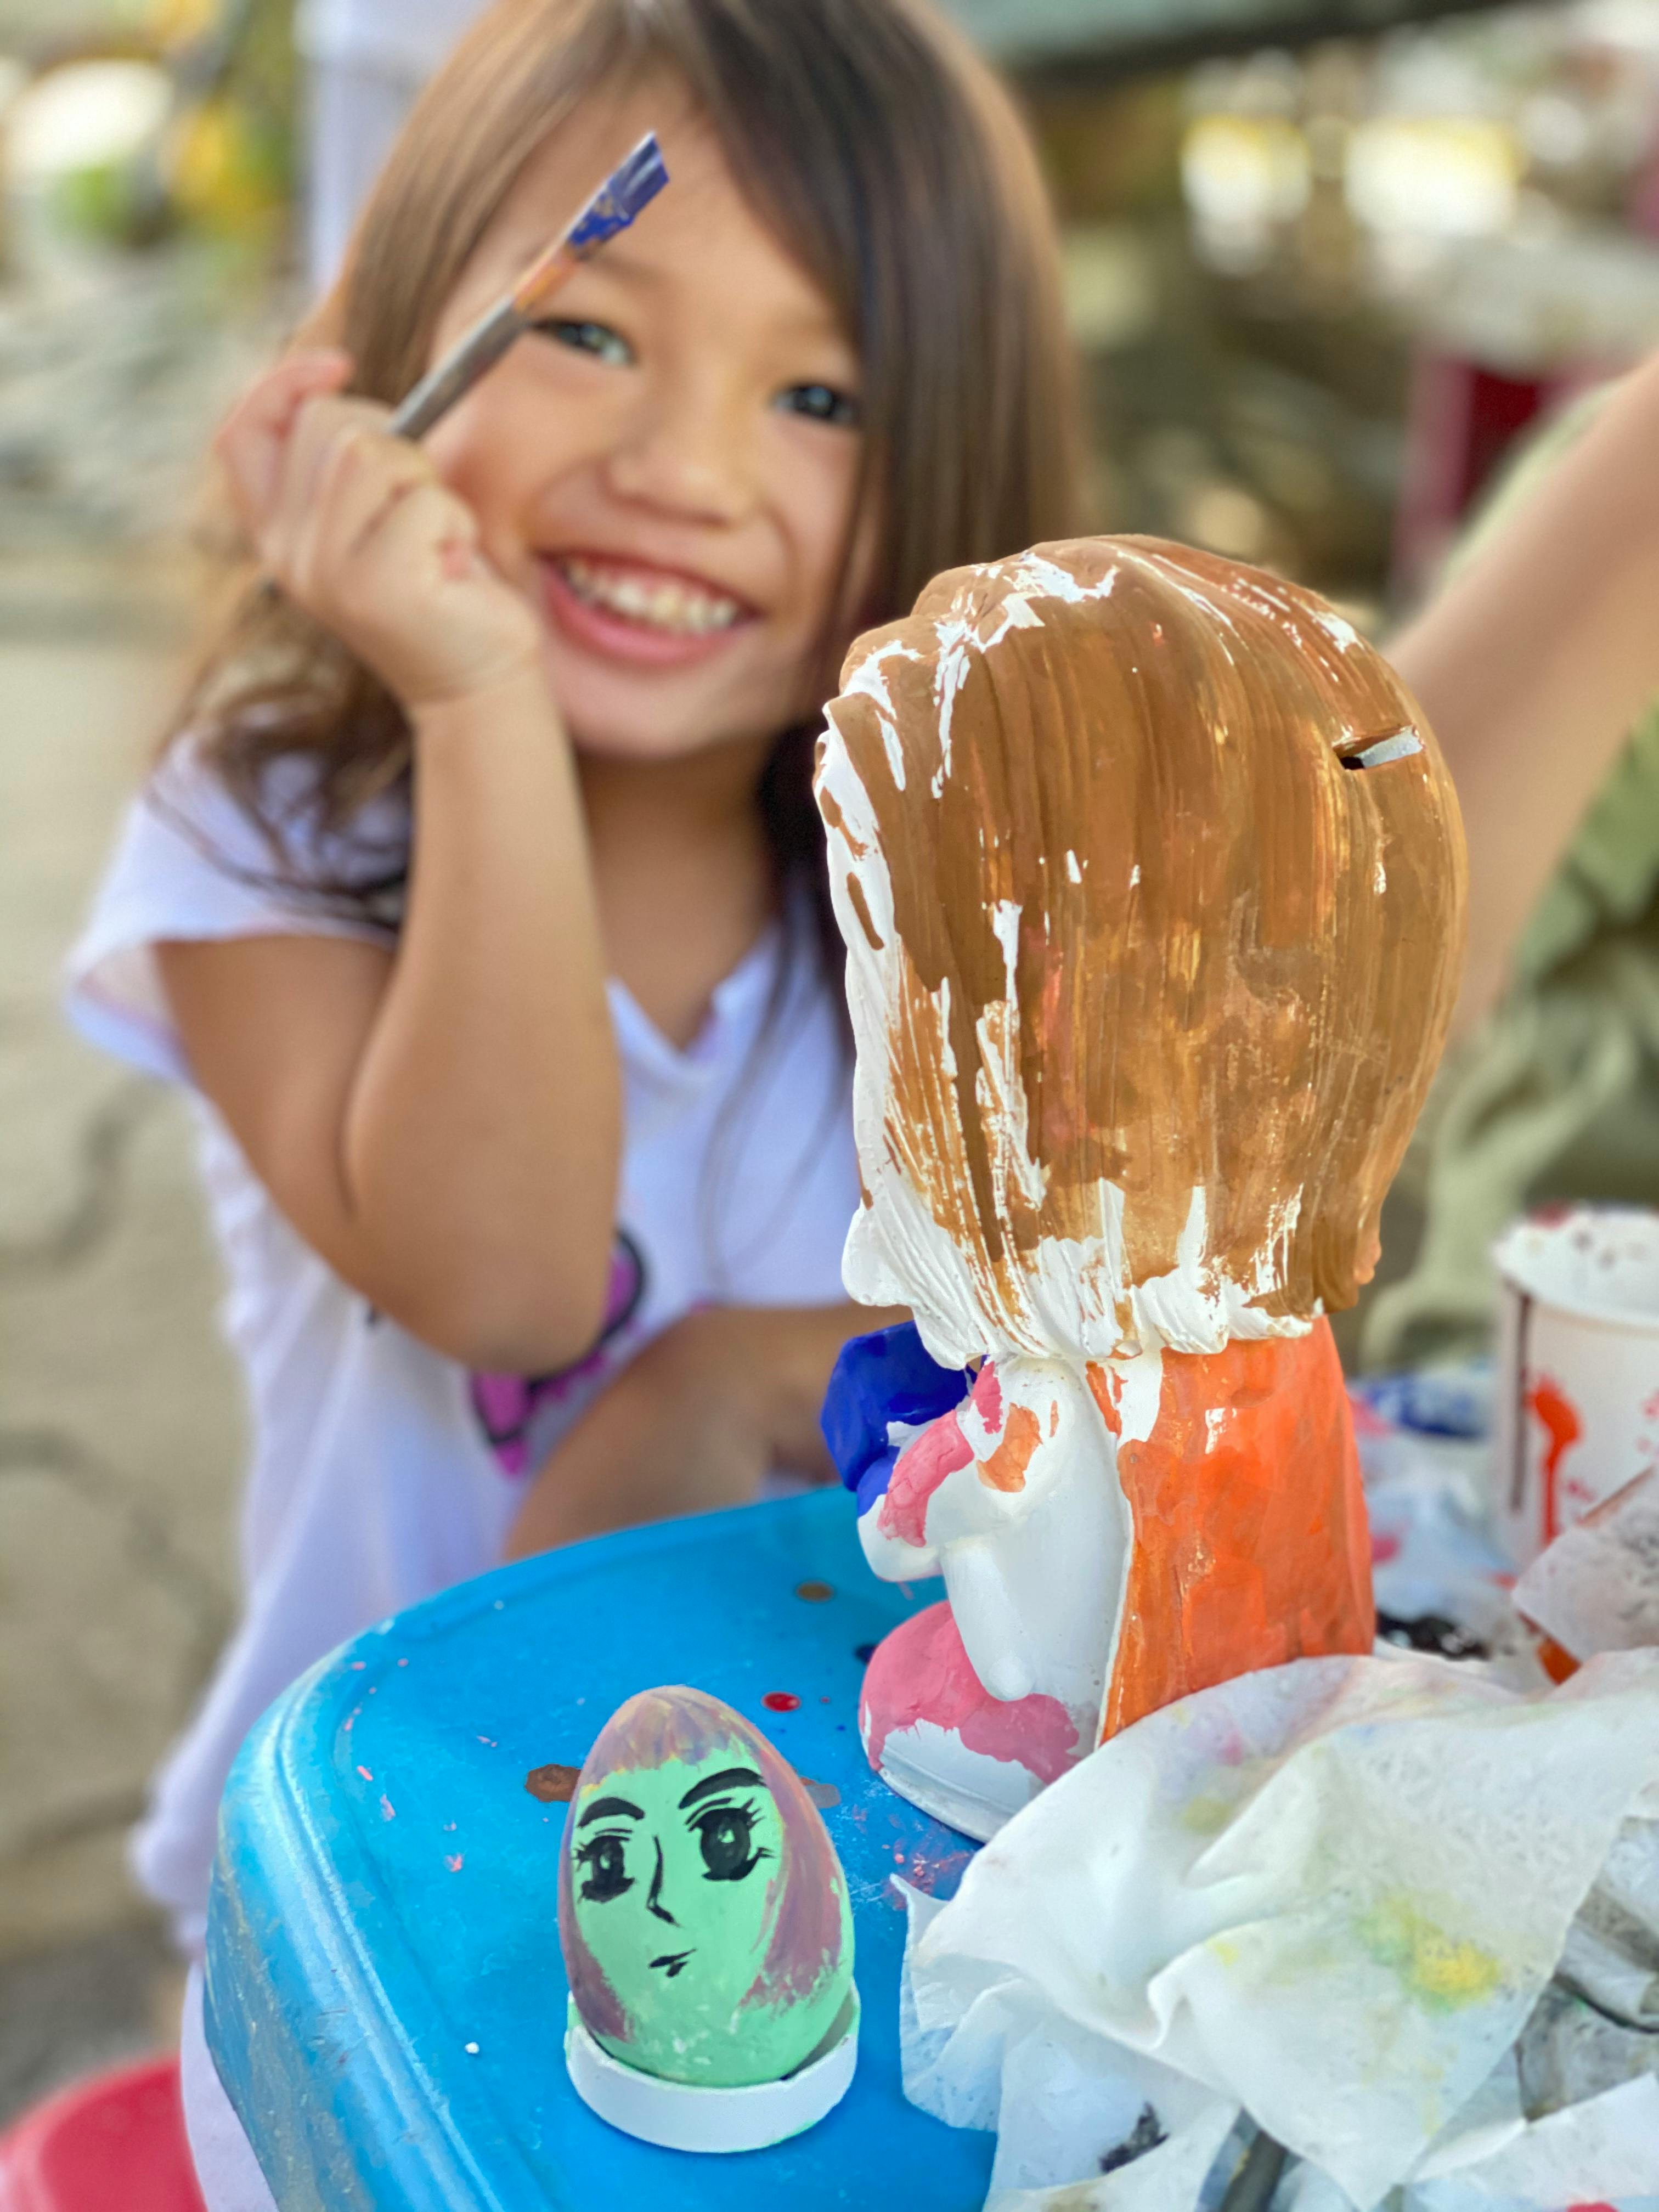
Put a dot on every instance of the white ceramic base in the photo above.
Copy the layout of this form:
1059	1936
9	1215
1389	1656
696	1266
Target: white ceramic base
933	1768
678	2116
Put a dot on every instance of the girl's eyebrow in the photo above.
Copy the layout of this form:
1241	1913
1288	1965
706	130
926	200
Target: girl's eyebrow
729	1777
805	320
601	1806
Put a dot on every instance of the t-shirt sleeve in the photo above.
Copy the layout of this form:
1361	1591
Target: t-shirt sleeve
190	864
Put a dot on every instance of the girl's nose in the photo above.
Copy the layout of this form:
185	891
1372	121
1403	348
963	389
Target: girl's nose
689	453
653	1903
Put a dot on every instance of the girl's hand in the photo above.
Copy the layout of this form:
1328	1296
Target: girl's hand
706	1410
358	529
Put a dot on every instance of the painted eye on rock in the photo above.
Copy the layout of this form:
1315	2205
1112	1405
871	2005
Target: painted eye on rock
607	1875
727	1834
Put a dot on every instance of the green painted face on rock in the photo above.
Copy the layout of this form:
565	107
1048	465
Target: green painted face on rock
715	1942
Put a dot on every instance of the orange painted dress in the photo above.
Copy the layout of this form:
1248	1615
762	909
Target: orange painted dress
1250	1541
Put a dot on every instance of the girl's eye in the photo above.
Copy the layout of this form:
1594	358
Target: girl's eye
726	1835
596	339
821	403
607	1875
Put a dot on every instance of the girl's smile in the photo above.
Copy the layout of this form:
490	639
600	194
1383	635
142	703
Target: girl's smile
633	612
666	467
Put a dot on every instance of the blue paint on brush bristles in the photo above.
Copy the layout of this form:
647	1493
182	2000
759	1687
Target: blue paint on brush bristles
618	200
621	196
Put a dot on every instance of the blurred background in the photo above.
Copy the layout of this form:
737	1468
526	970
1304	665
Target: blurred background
1326	260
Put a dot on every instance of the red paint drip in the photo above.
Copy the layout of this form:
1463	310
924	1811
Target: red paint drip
921	1673
938	1451
1559	1417
780	1701
987	1399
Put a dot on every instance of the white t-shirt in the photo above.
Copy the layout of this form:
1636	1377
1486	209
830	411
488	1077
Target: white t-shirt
374	1479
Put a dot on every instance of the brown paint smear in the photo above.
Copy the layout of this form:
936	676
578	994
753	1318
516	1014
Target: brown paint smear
1257	1011
1251	1550
554	1785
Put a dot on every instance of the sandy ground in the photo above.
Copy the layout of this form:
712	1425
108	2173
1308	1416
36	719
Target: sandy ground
120	1413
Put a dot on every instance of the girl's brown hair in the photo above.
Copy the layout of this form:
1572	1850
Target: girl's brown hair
886	158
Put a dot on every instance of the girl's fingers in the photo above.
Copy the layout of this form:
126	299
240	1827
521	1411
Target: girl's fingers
358	529
253	438
359	473
423	606
426	529
322	428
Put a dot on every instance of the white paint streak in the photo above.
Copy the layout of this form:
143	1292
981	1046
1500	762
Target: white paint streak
894	749
1141	1394
868	679
950	674
1005	924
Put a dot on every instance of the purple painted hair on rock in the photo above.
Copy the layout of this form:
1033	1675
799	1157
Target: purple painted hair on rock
802	1898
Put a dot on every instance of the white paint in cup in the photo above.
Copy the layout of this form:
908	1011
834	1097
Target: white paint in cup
1578	1402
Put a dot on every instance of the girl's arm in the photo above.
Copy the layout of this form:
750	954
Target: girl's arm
1536	661
441	1124
695	1421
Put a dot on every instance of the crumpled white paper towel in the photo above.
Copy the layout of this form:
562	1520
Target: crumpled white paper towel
1596	1587
1330	1895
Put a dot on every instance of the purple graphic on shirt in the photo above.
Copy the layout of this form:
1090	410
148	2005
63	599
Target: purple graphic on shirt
506	1404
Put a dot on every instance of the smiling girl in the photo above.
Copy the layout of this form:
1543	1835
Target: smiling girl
479	898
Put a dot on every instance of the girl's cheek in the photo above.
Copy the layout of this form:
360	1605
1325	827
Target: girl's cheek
454	453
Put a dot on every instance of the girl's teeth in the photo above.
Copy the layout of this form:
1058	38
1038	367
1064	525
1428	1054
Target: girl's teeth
659	604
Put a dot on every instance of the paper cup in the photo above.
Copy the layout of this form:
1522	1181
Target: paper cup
1577	1401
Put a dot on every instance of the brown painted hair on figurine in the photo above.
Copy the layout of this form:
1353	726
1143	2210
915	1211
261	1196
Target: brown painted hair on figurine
1152	880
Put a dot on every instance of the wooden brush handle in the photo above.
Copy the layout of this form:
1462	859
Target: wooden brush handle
458	371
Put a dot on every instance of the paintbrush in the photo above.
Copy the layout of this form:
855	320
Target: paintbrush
612	208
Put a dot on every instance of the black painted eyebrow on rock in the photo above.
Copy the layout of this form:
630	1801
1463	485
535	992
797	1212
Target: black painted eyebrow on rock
729	1777
601	1806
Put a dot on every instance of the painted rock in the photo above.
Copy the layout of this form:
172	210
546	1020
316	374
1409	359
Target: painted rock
703	1912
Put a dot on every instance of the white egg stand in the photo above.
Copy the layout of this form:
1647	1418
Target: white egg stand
680	2116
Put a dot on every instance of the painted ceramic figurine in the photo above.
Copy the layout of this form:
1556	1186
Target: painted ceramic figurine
1151	880
706	1935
